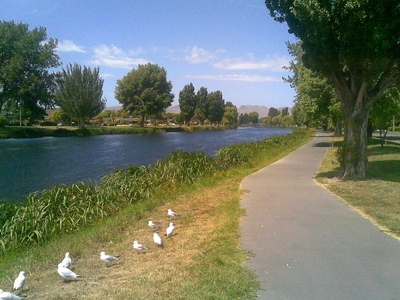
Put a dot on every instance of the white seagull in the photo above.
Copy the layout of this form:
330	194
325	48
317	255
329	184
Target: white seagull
66	273
67	262
19	281
153	226
108	259
139	247
9	296
171	213
157	240
170	229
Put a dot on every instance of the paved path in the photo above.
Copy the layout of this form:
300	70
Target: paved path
307	243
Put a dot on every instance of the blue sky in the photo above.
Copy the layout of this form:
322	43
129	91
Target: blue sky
229	45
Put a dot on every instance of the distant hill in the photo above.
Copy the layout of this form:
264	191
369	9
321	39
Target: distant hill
261	110
116	108
173	109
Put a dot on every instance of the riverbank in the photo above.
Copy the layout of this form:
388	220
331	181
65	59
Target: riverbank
201	261
68	131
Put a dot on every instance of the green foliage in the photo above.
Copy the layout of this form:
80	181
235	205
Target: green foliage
230	115
145	91
216	107
25	80
3	121
202	109
66	208
273	112
187	102
355	45
80	92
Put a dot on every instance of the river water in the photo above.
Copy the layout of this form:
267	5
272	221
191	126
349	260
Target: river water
28	165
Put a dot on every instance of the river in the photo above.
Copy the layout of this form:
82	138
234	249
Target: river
28	165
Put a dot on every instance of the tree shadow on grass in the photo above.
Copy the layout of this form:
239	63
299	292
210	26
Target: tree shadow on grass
329	174
388	170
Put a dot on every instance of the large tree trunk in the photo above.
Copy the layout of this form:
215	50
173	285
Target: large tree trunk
354	158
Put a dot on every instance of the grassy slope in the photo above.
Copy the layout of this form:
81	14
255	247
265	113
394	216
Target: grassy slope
377	197
201	261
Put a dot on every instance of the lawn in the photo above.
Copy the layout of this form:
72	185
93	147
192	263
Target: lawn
377	197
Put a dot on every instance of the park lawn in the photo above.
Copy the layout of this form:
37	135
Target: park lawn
203	260
376	198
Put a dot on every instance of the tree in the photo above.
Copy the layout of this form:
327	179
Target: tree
253	118
80	92
216	107
273	112
201	112
315	96
60	117
187	102
231	114
145	91
356	45
285	111
25	59
384	110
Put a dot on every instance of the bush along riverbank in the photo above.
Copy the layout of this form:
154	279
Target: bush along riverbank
202	260
67	131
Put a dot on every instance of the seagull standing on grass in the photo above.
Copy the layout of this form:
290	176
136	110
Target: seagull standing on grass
157	240
9	296
153	226
139	247
108	259
66	273
171	213
170	229
67	262
19	282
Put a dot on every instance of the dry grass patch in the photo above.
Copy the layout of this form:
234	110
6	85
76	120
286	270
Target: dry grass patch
171	272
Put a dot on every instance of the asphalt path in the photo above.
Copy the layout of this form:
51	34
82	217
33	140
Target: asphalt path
307	243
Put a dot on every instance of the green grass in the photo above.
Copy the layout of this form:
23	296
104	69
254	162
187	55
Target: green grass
377	197
202	260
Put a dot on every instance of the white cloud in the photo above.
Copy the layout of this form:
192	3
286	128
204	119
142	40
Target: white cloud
237	77
112	56
70	46
196	55
274	64
107	75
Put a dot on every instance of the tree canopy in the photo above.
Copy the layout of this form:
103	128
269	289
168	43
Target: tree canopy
80	92
145	91
356	45
25	59
187	102
316	101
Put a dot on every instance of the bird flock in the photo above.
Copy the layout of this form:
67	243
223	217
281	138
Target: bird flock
63	268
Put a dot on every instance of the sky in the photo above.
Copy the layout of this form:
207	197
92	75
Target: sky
233	46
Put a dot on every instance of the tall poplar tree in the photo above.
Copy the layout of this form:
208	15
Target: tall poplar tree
187	102
80	92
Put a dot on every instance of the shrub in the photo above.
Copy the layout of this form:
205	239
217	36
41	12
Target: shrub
3	121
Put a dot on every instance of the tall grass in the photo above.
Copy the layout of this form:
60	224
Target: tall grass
66	208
